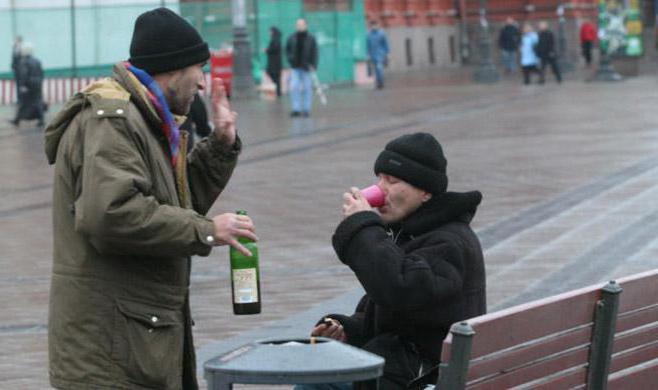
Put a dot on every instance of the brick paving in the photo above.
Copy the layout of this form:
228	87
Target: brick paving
566	172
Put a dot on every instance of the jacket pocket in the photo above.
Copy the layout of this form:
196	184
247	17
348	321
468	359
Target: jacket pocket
148	343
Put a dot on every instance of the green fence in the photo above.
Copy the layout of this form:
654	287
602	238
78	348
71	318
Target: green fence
86	41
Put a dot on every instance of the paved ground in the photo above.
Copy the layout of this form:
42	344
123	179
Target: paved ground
569	175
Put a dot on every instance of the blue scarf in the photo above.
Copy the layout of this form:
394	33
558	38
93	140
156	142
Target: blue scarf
169	125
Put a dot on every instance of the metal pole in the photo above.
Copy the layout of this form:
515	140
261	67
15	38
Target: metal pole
243	83
563	56
74	66
486	72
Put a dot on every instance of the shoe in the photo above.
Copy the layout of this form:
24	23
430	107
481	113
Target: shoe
294	114
306	114
14	122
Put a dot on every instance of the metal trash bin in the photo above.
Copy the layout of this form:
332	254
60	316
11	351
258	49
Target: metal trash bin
292	361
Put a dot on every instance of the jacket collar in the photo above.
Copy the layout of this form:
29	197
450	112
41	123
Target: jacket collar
139	96
441	209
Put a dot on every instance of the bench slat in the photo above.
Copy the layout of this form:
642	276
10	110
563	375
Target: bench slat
635	318
530	352
636	337
640	290
633	357
643	376
572	360
533	320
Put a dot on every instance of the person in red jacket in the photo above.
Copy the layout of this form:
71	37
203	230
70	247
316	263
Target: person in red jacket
587	39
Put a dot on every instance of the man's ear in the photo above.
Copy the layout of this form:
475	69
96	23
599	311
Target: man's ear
426	196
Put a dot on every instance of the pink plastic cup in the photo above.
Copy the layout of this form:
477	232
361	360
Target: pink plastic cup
374	195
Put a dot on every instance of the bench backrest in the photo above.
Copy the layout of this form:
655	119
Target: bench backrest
634	362
562	341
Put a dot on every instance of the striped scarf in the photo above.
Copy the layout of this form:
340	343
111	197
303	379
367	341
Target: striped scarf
169	125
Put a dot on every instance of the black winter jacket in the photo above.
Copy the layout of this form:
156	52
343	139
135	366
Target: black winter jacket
420	276
302	51
546	45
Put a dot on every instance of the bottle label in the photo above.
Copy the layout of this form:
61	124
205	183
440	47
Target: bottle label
245	289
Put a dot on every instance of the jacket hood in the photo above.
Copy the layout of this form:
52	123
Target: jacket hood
105	88
122	87
442	208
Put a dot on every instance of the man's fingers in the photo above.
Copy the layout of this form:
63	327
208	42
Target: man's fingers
235	244
221	92
318	330
247	234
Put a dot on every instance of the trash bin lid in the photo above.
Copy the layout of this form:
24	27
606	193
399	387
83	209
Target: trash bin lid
296	361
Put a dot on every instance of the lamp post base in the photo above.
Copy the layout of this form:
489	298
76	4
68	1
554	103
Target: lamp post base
243	82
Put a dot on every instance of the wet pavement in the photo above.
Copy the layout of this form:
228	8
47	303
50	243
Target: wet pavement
569	175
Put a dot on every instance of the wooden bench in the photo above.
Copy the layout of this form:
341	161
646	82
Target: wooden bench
593	338
564	341
634	362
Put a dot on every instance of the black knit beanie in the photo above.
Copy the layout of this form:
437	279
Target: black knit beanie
163	41
417	159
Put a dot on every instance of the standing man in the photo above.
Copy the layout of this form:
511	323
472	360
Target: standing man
417	258
16	55
508	41
587	39
128	213
302	54
377	51
30	82
547	53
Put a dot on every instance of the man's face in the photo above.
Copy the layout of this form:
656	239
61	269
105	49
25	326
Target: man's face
301	25
182	86
402	199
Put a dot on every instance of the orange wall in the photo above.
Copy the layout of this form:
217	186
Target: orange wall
395	13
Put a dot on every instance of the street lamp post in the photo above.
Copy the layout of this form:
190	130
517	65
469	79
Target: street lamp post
486	72
565	64
242	82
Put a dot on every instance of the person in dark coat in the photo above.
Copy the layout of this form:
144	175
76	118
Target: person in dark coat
508	41
417	258
196	123
274	59
547	52
30	73
302	54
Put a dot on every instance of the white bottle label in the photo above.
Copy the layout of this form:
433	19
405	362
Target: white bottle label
245	288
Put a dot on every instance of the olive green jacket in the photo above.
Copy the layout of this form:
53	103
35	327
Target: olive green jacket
125	225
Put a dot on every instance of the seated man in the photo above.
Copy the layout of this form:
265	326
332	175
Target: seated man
418	260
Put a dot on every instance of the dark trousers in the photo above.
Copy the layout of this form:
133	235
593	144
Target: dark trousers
555	68
527	71
587	51
276	79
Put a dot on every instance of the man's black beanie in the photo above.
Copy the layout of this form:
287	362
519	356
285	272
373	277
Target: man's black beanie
163	41
417	159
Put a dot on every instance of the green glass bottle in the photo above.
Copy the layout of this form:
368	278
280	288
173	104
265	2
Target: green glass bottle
245	277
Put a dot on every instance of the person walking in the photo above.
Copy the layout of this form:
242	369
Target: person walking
587	39
529	59
302	54
30	76
377	45
274	59
508	41
547	52
129	209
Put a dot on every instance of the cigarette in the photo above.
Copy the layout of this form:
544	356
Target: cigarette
312	340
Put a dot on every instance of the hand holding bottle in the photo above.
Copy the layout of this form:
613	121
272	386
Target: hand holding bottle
229	227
